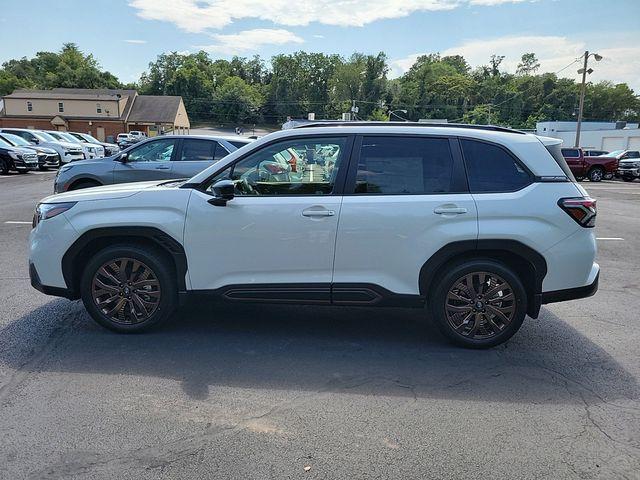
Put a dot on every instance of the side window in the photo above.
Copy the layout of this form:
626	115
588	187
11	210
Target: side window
289	167
491	169
570	153
155	151
196	150
404	165
221	152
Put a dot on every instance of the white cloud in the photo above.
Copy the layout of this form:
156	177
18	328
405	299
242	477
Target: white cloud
247	40
621	61
202	15
137	42
318	36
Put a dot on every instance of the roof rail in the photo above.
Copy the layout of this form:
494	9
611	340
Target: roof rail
339	123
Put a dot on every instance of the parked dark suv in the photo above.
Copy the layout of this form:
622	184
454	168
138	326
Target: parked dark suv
16	158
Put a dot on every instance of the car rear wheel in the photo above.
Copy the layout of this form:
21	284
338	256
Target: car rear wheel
478	303
128	289
596	174
4	167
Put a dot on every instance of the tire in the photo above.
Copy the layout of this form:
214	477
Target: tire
22	172
4	167
121	309
579	179
596	174
487	329
84	184
627	179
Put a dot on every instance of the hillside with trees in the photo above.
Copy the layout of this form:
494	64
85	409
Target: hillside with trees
253	90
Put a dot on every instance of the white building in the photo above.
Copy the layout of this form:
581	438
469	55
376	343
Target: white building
607	136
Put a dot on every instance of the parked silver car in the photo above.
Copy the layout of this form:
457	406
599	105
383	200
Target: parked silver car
109	148
90	150
68	151
165	157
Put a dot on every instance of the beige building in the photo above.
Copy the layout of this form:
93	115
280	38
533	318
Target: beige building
101	112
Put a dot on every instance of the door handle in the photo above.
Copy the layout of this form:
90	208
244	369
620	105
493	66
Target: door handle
163	167
452	210
309	212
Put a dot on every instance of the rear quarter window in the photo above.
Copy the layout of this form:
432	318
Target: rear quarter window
491	168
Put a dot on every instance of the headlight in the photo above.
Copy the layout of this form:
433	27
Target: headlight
50	210
15	155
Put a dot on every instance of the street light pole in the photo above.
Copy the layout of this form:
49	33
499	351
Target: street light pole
583	87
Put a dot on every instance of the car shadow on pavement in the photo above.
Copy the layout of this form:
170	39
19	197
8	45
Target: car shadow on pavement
362	351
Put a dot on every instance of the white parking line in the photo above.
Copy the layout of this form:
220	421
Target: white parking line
16	222
609	238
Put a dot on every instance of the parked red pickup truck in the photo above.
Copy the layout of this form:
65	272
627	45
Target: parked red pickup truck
593	168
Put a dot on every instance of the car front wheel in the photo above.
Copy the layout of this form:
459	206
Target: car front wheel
127	288
478	303
596	174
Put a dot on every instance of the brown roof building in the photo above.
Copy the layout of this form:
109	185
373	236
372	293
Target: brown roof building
100	112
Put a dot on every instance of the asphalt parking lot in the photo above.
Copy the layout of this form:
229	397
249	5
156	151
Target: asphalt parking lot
252	392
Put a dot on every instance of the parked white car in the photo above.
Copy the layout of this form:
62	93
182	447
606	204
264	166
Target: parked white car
482	225
68	151
90	150
137	135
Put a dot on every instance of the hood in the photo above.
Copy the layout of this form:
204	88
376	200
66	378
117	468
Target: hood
69	145
106	192
48	151
110	145
20	150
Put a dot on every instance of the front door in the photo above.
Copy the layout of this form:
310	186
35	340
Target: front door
406	197
100	133
148	161
275	239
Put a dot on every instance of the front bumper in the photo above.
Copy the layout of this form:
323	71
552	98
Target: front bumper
629	172
47	290
49	161
72	157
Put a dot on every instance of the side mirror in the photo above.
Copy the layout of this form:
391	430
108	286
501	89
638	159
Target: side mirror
122	158
224	190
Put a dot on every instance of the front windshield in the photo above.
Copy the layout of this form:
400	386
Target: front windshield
15	139
88	138
615	153
44	136
4	143
68	137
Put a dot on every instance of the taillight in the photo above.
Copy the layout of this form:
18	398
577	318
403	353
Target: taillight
582	209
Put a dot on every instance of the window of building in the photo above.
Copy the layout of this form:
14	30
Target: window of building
404	166
29	107
60	107
492	169
98	108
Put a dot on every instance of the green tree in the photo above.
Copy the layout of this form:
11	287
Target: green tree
528	65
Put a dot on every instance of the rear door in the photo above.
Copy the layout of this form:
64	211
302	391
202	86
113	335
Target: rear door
405	198
148	161
196	154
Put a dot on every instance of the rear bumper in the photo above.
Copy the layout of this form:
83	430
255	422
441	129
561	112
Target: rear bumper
571	293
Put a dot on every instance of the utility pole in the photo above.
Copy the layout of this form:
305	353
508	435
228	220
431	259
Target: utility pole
583	87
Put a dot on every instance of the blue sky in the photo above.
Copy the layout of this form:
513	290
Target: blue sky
125	35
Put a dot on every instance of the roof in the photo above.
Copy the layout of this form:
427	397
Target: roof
155	108
330	123
73	94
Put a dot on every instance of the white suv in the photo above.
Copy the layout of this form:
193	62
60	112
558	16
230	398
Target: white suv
479	225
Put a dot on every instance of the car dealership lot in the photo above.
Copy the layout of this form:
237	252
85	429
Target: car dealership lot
228	391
